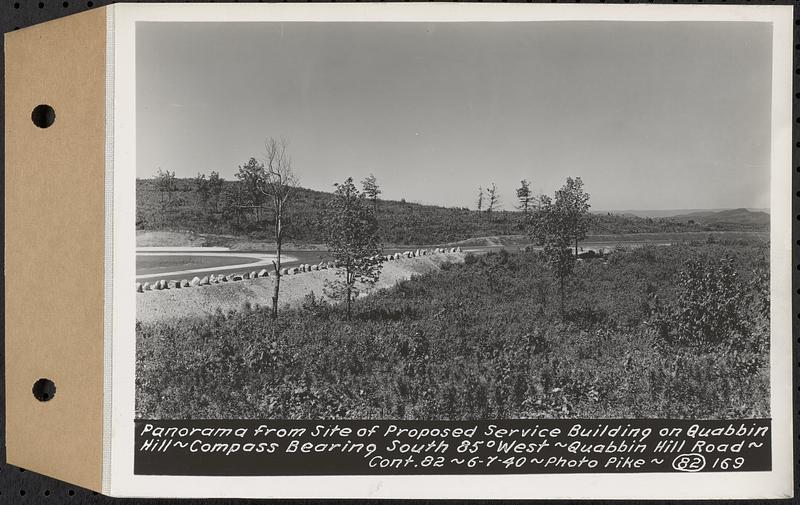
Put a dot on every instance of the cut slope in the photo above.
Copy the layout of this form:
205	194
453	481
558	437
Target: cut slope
166	305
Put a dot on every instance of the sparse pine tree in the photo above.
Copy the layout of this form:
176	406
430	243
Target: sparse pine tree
371	191
493	199
480	199
352	239
215	184
525	196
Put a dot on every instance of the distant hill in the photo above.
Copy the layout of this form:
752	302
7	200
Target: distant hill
731	216
658	213
401	223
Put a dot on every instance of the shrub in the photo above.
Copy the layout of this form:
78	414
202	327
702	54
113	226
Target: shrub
711	308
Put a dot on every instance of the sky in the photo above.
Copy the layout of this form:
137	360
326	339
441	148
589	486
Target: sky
651	115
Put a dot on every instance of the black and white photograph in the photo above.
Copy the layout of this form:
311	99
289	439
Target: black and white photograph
453	221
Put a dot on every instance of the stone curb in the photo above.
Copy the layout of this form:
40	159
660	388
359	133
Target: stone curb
162	284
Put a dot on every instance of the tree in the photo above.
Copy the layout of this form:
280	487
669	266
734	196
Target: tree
494	199
251	175
525	196
551	228
232	200
480	198
371	191
576	202
277	182
202	189
215	185
166	183
352	238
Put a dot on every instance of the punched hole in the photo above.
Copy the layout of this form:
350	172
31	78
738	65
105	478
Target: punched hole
44	390
43	116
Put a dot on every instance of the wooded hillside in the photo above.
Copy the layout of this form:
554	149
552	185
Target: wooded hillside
223	207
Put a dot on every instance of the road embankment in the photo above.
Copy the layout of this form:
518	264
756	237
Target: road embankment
173	304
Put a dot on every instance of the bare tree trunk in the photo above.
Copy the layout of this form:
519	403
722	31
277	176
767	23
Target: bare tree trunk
277	288
576	246
348	302
277	264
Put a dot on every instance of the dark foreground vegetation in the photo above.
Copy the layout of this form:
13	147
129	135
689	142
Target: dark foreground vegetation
677	331
224	208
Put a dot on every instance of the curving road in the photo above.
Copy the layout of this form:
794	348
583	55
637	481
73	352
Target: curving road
187	262
179	263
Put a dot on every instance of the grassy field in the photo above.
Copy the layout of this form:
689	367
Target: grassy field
485	339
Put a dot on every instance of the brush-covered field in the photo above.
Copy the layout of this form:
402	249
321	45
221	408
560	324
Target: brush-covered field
677	331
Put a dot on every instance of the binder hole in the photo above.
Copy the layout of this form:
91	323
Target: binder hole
43	116
44	390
